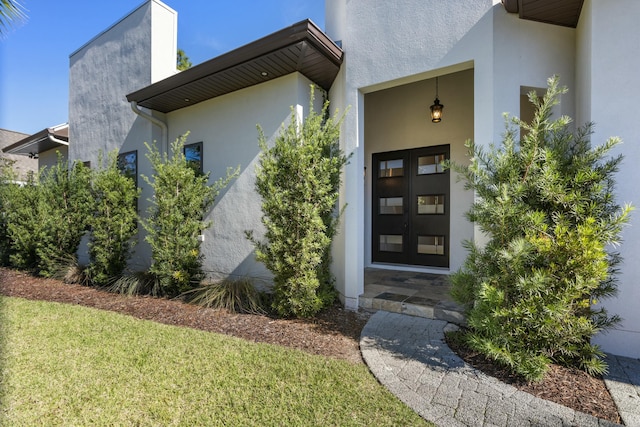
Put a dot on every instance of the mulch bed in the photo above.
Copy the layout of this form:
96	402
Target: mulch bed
569	387
335	333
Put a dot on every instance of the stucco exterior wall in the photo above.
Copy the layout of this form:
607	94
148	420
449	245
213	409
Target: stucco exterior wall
127	56
48	159
227	128
526	54
608	58
389	45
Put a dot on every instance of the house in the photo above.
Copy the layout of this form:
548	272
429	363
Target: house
387	61
44	146
22	165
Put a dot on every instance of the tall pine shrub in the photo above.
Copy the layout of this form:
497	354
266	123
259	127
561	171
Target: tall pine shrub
176	218
546	202
114	222
299	180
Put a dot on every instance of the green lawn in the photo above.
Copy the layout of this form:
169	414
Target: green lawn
72	365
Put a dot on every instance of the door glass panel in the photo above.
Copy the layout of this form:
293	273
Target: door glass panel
391	205
431	245
430	205
391	242
430	164
390	168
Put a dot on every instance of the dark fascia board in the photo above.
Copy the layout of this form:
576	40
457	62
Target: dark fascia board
303	31
37	143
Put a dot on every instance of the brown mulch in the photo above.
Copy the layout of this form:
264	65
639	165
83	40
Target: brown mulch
569	387
335	333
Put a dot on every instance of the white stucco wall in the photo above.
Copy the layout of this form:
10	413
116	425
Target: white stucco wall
125	57
227	128
49	158
526	54
390	44
609	59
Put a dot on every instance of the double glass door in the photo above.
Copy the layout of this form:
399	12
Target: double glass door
410	218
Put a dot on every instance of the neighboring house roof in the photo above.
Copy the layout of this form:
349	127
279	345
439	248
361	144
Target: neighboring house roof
21	165
303	47
46	139
558	12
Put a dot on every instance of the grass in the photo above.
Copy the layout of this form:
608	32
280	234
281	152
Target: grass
73	365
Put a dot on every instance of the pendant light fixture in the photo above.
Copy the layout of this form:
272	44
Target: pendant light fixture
436	108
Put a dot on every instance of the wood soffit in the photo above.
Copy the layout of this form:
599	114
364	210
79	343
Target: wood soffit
302	47
565	13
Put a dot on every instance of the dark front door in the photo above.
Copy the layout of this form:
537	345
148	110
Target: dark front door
411	207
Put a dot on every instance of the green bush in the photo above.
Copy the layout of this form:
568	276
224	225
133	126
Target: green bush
182	198
21	214
299	179
546	203
47	217
7	187
114	222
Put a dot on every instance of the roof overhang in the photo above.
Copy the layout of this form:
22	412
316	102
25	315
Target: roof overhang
303	47
46	139
557	12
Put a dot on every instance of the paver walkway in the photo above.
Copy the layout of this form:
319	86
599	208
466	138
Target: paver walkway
409	356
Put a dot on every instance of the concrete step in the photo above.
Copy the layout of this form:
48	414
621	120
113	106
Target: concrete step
414	306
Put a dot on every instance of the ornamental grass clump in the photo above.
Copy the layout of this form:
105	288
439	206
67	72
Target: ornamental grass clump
299	180
546	203
235	295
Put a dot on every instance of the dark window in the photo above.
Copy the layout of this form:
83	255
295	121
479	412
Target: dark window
193	154
128	164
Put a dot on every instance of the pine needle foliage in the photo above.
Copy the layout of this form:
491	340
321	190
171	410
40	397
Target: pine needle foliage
114	222
546	203
298	179
182	199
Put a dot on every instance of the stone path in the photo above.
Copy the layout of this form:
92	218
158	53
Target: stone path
409	356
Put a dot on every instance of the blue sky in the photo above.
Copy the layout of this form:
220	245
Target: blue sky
34	55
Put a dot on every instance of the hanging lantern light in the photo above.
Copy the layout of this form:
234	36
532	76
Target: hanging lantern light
436	108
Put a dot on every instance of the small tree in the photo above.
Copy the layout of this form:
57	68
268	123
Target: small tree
182	198
182	60
114	221
299	179
546	203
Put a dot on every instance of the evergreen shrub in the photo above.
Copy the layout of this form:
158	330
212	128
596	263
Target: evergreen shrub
114	222
299	179
47	217
546	203
176	218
